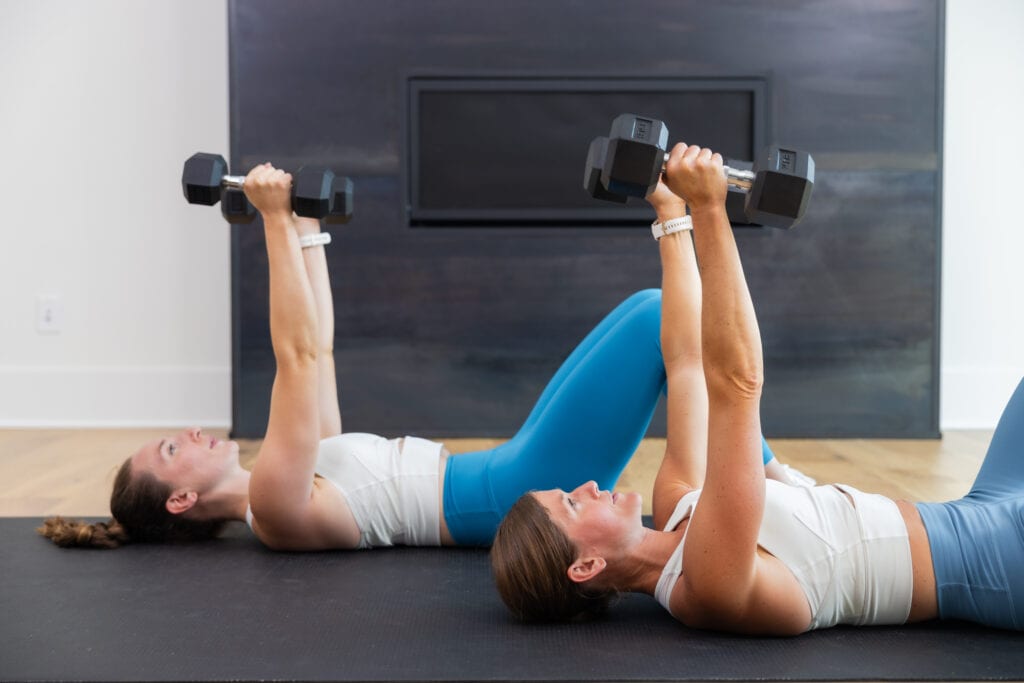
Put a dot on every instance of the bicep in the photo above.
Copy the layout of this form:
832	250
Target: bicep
326	523
774	604
686	445
722	537
282	478
327	386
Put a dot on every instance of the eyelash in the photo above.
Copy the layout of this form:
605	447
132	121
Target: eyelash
572	503
170	449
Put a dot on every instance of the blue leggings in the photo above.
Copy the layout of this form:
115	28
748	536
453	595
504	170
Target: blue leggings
586	425
977	542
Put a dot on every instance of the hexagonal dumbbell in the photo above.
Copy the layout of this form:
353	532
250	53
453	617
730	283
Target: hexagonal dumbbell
777	185
316	191
592	173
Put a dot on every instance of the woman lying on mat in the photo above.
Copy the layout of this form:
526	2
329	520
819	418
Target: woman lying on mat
739	553
314	488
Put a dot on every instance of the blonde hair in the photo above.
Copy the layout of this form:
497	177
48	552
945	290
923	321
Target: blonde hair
530	559
138	507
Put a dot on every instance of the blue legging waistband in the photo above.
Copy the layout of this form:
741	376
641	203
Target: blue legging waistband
977	542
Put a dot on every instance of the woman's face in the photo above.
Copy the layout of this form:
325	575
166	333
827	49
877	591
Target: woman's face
595	520
188	460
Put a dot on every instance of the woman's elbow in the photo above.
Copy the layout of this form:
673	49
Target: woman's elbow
743	382
296	354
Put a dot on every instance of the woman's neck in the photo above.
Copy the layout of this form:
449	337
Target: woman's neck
647	559
230	499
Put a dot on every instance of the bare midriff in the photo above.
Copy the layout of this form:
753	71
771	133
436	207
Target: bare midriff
446	537
924	605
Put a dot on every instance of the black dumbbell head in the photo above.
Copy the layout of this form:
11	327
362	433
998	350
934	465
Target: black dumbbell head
592	173
311	191
341	201
235	206
201	178
635	155
782	187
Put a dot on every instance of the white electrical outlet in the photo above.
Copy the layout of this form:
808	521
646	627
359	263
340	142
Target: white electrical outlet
49	313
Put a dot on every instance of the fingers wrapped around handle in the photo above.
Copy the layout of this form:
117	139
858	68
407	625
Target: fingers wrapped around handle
269	189
696	174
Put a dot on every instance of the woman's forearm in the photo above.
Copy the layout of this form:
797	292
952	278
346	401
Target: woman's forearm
293	319
319	279
681	301
731	339
680	284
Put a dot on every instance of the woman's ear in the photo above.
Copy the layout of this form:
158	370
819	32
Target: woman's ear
181	501
586	568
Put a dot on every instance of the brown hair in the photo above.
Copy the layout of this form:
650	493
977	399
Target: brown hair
530	559
138	506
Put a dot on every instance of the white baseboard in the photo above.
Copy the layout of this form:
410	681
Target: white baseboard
120	397
94	396
974	397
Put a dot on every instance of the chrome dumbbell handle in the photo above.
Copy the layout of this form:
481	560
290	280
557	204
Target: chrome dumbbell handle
740	179
236	181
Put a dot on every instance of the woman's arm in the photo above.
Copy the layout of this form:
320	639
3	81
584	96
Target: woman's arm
320	282
686	445
281	486
721	543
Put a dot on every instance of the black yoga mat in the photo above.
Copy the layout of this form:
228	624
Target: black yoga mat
231	610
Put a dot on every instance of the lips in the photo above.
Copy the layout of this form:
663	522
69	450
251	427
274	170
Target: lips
213	441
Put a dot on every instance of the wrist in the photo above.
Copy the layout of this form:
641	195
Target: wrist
279	217
667	213
306	226
710	211
672	226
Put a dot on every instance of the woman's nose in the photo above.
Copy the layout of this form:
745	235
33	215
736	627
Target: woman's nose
590	488
195	433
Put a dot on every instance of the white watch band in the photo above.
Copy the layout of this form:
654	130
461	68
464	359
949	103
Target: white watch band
659	230
314	240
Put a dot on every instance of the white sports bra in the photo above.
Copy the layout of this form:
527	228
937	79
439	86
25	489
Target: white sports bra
852	561
390	485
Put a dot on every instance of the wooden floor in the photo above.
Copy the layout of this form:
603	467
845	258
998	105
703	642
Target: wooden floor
70	472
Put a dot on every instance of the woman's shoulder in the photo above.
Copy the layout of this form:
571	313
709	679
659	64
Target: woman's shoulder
773	603
327	523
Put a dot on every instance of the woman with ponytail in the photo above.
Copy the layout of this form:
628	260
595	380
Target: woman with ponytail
314	488
137	503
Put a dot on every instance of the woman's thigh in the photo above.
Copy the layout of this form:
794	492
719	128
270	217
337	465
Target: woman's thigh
1002	471
588	427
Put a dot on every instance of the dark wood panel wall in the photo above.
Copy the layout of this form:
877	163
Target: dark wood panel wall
454	331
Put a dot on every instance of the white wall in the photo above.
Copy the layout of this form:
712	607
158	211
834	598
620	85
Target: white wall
100	103
983	234
108	97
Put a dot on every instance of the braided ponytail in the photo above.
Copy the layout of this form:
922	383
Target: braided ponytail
138	505
69	533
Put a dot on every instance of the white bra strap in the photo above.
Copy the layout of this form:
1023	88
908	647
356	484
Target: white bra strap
684	507
669	575
248	516
674	567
